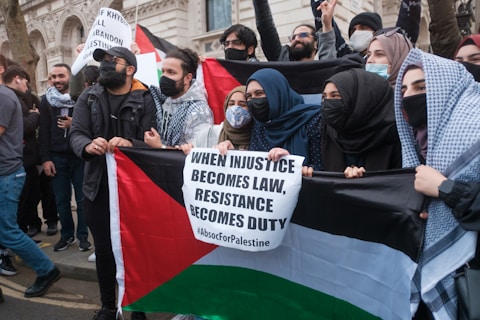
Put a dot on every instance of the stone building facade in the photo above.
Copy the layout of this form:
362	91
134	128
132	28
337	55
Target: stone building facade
56	27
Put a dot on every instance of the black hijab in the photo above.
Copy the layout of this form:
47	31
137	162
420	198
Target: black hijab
370	122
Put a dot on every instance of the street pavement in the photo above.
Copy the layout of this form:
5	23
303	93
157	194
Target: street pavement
75	296
71	262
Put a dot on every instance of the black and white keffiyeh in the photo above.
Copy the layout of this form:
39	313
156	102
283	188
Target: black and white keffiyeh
59	100
453	124
178	118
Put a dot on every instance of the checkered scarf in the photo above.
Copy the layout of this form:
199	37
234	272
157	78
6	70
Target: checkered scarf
192	102
59	100
453	118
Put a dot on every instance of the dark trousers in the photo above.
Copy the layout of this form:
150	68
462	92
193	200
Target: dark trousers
27	215
49	209
37	187
97	216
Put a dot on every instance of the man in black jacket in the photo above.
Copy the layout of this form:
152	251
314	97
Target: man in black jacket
58	159
115	112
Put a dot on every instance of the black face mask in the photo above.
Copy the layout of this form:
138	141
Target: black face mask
259	109
106	67
169	86
334	113
236	54
109	78
415	110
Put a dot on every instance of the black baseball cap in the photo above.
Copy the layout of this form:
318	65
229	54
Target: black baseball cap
120	52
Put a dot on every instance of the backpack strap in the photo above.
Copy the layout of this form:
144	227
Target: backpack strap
91	99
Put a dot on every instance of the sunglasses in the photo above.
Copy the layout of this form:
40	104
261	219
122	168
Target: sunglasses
388	32
301	35
236	42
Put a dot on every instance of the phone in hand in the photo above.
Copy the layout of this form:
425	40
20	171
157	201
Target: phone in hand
60	117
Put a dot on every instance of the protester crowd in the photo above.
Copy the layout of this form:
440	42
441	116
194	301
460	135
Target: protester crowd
405	108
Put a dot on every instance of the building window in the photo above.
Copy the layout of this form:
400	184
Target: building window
219	14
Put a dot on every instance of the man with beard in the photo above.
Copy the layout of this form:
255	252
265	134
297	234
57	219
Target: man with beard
115	112
59	161
182	108
305	42
239	43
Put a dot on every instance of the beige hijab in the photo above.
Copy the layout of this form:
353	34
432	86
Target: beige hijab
396	48
240	138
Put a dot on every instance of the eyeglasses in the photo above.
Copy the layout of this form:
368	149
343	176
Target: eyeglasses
236	42
114	59
300	35
388	32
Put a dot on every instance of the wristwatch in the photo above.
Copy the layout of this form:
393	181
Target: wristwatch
445	188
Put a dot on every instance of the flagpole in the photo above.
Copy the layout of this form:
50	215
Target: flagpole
136	20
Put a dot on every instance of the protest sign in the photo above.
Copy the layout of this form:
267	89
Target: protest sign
147	69
241	200
110	29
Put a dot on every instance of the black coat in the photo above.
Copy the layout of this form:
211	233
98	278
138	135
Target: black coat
30	126
91	118
51	138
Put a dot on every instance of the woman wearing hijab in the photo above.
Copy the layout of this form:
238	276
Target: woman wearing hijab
358	124
282	121
236	128
436	107
386	53
469	50
468	54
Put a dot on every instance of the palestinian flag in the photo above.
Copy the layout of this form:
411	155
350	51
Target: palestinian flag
147	43
221	76
307	78
350	251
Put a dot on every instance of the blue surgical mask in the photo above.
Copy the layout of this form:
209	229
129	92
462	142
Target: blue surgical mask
238	117
377	68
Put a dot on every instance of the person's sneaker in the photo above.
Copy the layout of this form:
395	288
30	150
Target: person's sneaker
32	232
6	266
92	257
52	229
136	315
63	244
84	244
41	284
105	314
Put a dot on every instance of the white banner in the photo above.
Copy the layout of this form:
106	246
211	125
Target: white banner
110	29
241	200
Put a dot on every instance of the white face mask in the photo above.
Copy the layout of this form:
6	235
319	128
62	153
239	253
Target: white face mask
360	40
380	69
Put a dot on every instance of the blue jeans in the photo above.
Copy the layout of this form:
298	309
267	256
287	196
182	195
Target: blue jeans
69	172
10	234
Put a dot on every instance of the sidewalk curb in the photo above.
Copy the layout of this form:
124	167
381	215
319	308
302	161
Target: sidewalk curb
72	262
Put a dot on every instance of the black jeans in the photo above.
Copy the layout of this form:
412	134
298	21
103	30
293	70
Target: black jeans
97	217
37	187
27	215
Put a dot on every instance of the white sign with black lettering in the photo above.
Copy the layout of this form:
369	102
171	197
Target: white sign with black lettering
110	29
241	200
